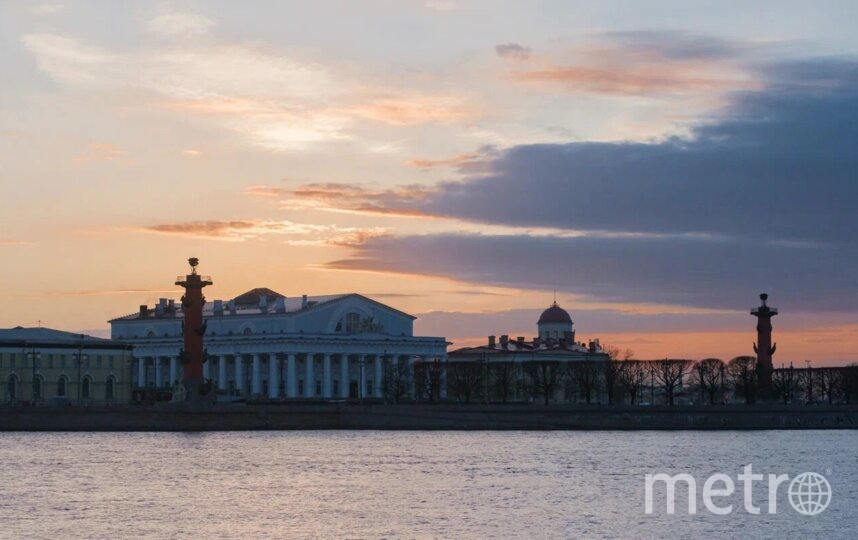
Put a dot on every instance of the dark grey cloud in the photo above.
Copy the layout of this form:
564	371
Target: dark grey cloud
778	164
760	198
512	50
724	274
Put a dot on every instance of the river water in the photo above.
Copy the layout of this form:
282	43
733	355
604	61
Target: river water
369	484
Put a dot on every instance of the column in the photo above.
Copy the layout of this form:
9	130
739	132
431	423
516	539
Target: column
221	372
141	373
174	370
291	377
326	376
362	376
344	376
309	377
443	389
158	375
207	371
255	377
273	376
239	374
412	361
376	383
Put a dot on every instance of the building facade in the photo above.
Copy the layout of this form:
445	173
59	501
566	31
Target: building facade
264	345
43	366
518	369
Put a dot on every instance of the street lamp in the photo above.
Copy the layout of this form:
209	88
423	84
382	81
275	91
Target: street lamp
81	358
35	356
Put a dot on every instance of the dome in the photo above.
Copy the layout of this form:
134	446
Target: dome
554	314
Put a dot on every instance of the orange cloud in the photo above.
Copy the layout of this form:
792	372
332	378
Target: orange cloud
103	152
413	110
298	234
335	197
625	80
454	161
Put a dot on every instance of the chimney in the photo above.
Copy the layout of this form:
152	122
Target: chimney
504	341
280	305
304	302
171	306
491	342
218	307
160	306
520	340
231	307
144	310
263	303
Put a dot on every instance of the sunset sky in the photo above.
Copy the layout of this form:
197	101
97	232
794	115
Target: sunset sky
659	164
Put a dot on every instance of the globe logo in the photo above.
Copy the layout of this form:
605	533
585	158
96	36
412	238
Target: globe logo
809	493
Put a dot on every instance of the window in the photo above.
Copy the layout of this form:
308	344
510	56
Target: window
301	387
63	362
318	388
247	331
98	362
12	361
108	389
12	388
86	388
336	388
368	387
352	323
61	387
50	361
111	361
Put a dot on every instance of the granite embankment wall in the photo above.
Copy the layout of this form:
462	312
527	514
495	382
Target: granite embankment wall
425	417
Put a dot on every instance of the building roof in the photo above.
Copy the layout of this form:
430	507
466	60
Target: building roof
290	305
554	314
253	296
20	336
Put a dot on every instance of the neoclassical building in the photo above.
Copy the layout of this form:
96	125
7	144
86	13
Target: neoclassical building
42	365
516	369
264	345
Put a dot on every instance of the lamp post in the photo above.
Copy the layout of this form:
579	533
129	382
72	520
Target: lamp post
361	359
81	358
33	355
809	383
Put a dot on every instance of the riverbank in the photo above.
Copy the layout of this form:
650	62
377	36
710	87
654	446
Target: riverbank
297	416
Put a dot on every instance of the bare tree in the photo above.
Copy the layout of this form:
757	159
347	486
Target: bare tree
633	375
544	377
710	372
742	372
669	373
396	380
502	378
828	382
464	379
785	383
849	383
612	370
427	378
586	376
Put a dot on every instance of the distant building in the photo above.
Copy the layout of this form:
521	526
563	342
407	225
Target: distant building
42	365
264	345
518	369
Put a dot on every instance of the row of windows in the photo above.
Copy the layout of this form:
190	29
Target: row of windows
13	388
50	361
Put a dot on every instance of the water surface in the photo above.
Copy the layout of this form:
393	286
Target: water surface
341	484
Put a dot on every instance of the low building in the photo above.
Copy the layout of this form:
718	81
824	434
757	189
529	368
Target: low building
264	345
519	369
42	365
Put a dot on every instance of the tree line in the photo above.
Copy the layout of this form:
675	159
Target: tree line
623	380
